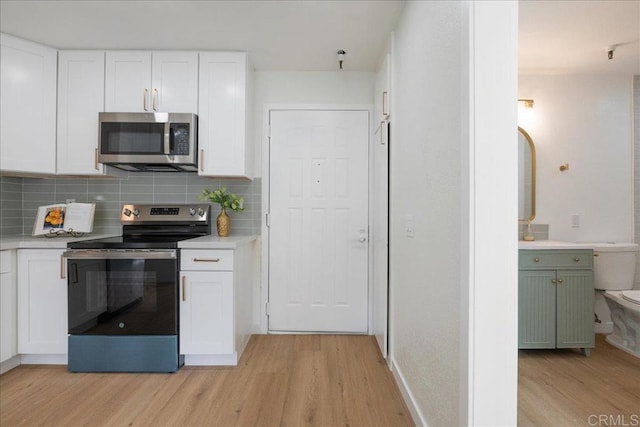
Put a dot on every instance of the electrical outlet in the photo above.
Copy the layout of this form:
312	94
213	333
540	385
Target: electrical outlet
575	221
71	201
410	226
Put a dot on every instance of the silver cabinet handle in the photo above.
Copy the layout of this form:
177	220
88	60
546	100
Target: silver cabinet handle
184	294
155	99
384	104
206	259
96	160
144	100
62	272
201	160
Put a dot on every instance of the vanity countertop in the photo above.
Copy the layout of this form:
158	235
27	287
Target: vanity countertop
552	244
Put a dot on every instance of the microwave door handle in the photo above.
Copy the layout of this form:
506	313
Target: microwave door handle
168	139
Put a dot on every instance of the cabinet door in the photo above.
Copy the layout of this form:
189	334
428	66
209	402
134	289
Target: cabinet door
222	110
28	106
42	302
175	82
206	312
8	306
127	81
80	99
575	309
536	309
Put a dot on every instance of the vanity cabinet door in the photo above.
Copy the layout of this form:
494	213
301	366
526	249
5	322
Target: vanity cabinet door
574	316
537	309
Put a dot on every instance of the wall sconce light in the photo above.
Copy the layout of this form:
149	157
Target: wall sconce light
526	103
341	53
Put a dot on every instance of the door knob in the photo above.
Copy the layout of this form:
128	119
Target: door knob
362	239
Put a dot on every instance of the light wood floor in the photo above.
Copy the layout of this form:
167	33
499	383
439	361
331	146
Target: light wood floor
288	380
563	387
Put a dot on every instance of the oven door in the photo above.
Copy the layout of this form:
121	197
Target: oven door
122	292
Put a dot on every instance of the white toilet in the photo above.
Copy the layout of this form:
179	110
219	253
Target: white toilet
614	267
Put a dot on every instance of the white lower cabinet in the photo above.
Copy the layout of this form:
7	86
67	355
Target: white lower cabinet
215	304
206	312
8	307
42	304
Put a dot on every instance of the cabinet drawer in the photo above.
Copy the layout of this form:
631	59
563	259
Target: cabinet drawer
206	259
561	258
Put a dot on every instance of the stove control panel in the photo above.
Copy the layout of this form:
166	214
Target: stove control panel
165	213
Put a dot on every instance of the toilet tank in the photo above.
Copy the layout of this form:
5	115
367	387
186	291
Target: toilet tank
614	265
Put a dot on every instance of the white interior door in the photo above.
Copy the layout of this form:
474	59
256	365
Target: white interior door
318	234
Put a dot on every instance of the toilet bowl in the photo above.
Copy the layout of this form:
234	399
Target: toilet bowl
614	266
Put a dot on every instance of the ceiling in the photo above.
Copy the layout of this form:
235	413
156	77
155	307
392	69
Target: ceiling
572	37
555	36
279	35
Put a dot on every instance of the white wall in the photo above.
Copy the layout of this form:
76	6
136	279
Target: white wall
305	87
584	121
453	286
426	134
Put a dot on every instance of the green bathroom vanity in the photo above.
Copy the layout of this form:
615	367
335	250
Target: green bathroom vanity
555	297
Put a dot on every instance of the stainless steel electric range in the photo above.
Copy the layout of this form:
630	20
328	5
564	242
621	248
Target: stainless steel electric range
123	308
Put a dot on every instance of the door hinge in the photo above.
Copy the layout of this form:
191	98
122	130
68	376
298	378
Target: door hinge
268	308
269	132
268	219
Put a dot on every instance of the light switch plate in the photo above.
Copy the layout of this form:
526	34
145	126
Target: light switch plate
410	226
575	221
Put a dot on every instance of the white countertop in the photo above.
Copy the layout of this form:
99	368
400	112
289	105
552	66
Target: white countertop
42	242
552	244
216	242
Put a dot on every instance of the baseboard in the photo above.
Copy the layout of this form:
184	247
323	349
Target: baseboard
211	360
407	396
603	328
44	359
9	364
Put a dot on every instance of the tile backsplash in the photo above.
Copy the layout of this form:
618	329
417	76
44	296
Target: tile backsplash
540	231
21	197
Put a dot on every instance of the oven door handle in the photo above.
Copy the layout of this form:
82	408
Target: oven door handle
121	254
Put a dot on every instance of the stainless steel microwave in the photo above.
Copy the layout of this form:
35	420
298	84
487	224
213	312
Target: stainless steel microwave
154	142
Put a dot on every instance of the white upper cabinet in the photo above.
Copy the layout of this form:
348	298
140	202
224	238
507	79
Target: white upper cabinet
174	77
222	136
80	99
138	81
28	106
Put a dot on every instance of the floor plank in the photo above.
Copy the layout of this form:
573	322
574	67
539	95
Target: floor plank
564	388
281	380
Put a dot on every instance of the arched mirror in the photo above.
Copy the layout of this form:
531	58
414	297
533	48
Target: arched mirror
526	176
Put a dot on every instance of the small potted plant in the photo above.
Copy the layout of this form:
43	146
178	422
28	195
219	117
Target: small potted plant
226	200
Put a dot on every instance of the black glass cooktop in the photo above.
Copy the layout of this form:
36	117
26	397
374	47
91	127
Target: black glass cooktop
132	242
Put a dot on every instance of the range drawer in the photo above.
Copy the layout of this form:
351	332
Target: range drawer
555	259
206	259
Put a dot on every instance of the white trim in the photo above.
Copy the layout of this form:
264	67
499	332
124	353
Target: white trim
603	328
211	359
407	396
10	364
266	134
44	359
